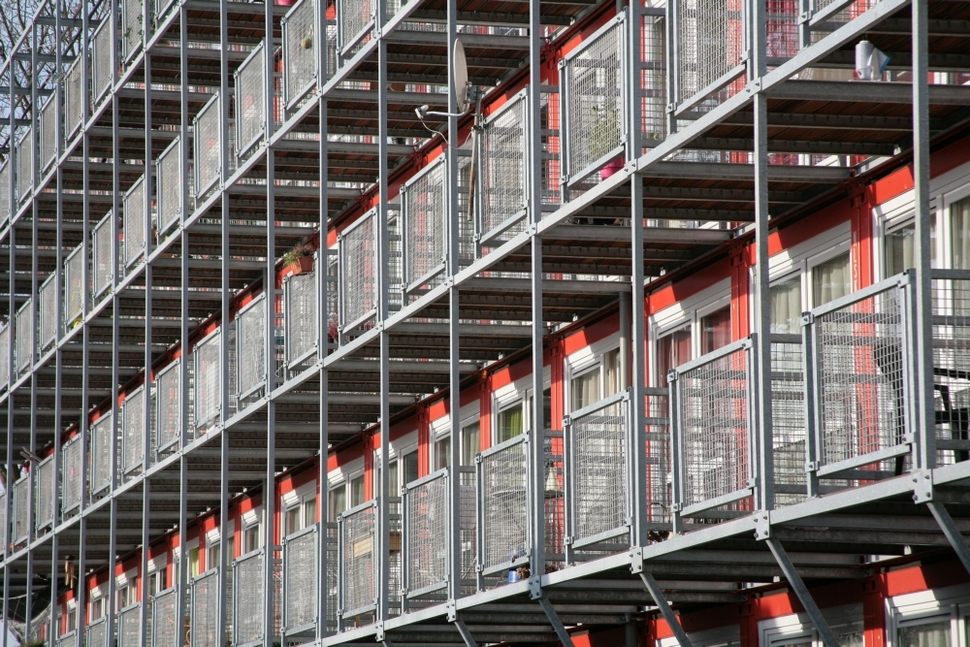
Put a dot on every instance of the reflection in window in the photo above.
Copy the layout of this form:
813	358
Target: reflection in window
960	234
469	443
611	373
356	490
585	389
933	634
672	351
900	248
715	330
831	280
510	423
442	452
786	307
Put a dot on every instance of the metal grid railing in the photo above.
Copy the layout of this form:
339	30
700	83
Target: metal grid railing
593	86
47	313
425	541
504	194
788	422
75	94
653	81
100	454
358	267
165	621
468	526
300	587
162	7
72	488
168	407
656	435
358	546
207	128
299	320
204	610
503	529
355	18
5	194
132	26
25	165
247	626
68	640
5	359
24	331
134	223
102	69
74	292
129	626
424	211
4	526
861	387
553	496
300	53
332	575
208	379
48	132
710	47
169	186
20	510
598	471
951	364
250	101
44	495
251	339
712	432
133	434
102	262
96	634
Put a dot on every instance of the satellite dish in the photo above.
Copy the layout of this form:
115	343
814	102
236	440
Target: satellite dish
460	72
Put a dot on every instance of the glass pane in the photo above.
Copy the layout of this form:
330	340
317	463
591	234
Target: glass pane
960	234
899	249
410	467
393	480
357	490
715	330
442	452
933	634
585	389
509	423
611	373
851	639
291	520
310	512
786	307
831	280
338	501
469	443
672	351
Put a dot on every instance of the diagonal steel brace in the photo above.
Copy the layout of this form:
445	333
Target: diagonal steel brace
799	588
658	598
556	623
951	531
465	634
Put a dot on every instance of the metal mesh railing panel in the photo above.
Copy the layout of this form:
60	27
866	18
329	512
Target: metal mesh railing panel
25	166
332	579
204	612
134	223
5	206
207	146
300	578
72	488
788	421
4	526
714	417
358	252
468	523
208	379
653	81
250	101
102	249
96	634
503	484
21	510
102	73
426	532
67	640
601	497
657	439
951	365
44	494
504	169
299	52
861	376
133	415
354	16
47	312
424	224
248	600
74	98
251	339
593	101
100	454
165	624
5	359
300	317
710	37
169	186
168	406
129	626
74	292
132	26
48	133
25	337
358	559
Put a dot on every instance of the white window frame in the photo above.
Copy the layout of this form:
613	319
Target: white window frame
297	499
507	396
247	521
784	630
727	636
440	429
924	607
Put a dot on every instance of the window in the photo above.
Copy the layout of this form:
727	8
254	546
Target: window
786	306
122	596
585	388
251	538
469	443
194	562
798	631
960	234
442	452
673	350
356	490
300	513
338	500
715	330
935	618
97	605
410	461
831	280
510	423
612	380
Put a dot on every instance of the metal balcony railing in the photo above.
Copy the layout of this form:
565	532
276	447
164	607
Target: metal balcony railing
132	447
207	127
358	260
5	358
424	201
503	506
165	619
425	542
74	289
300	312
951	364
332	575
251	340
47	122
250	87
24	331
247	600
72	488
100	453
102	66
102	262
355	20
135	238
4	525
300	58
300	585
711	51
207	356
169	187
44	495
67	640
133	27
129	626
47	313
75	96
788	422
168	407
204	610
5	194
20	510
358	561
504	193
96	634
25	165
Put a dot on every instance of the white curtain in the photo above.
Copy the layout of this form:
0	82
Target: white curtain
832	279
935	634
786	307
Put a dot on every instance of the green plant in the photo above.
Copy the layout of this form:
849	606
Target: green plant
605	133
307	41
299	250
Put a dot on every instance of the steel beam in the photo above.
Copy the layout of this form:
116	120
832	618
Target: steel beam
952	532
802	592
658	597
556	623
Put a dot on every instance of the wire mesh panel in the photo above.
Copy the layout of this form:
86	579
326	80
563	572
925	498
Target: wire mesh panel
250	101
72	487
251	339
44	494
68	640
169	186
862	389
102	69
21	510
100	454
48	132
25	165
598	455
204	610
248	599
4	526
593	90
503	473
24	330
710	47
168	406
300	319
656	436
102	262
96	635
358	267
208	145
300	586
713	432
358	559
426	534
425	225
951	364
355	18
129	626
165	621
133	434
74	292
208	379
653	82
132	26
504	195
299	52
788	419
5	359
5	194
47	312
75	95
162	7
134	223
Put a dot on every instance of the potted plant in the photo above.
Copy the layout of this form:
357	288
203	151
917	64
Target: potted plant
606	125
307	41
299	258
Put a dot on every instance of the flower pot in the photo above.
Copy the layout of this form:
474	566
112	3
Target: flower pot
611	167
299	266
